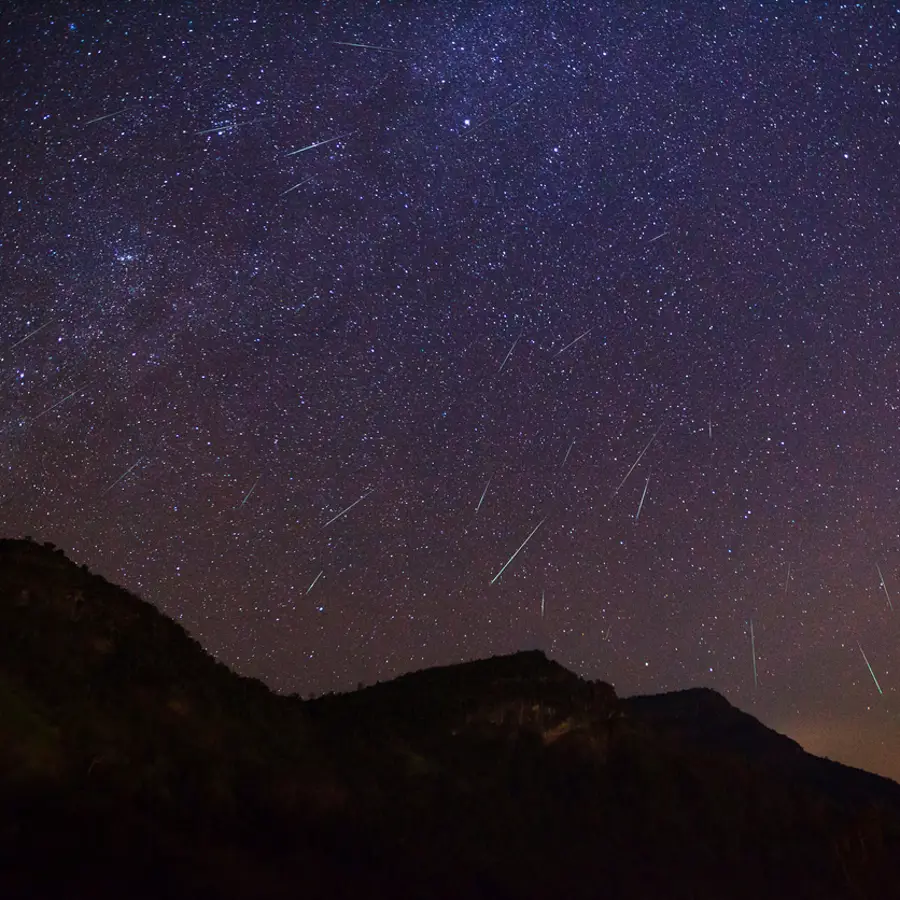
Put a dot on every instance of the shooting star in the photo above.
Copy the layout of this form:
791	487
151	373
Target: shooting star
230	127
654	240
366	46
508	355
565	458
314	581
31	334
317	144
880	691
640	457
710	427
787	580
530	536
247	497
345	511
481	498
641	504
107	116
572	343
123	476
886	594
753	651
297	185
60	402
543	599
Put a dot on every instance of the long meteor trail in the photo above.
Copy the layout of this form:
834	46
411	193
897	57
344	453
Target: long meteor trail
316	144
530	536
508	355
641	504
31	334
297	185
344	512
880	691
886	594
60	402
573	343
107	116
229	126
483	493
123	476
640	457
247	496
366	46
314	581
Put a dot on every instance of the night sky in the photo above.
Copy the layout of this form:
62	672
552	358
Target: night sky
621	273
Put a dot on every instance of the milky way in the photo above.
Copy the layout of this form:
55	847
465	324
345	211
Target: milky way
313	313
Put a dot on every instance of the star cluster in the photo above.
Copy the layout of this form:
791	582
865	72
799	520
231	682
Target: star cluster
313	313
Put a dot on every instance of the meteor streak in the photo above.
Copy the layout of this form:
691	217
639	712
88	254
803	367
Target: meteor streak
572	343
366	46
641	504
562	466
30	334
316	144
530	536
345	511
508	355
298	184
123	476
314	581
60	402
886	594
481	498
229	127
880	691
247	497
107	116
640	457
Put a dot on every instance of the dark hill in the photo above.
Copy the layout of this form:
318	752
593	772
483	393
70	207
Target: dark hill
133	764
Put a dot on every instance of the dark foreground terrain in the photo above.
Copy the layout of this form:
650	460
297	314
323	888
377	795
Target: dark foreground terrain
134	765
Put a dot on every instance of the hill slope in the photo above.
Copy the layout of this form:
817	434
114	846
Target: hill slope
132	762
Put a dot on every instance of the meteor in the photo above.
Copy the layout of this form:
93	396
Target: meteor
317	144
886	594
123	476
366	46
641	504
31	334
345	511
572	343
107	116
481	498
880	691
298	184
530	536
247	497
314	581
508	355
640	457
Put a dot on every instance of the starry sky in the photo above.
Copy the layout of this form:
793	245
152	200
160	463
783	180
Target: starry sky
314	314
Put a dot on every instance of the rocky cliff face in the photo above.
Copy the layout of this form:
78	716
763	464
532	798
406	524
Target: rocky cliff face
138	765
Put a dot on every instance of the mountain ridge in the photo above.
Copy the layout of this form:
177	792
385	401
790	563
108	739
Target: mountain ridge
136	761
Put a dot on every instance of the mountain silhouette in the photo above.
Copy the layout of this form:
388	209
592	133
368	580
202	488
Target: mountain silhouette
134	764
